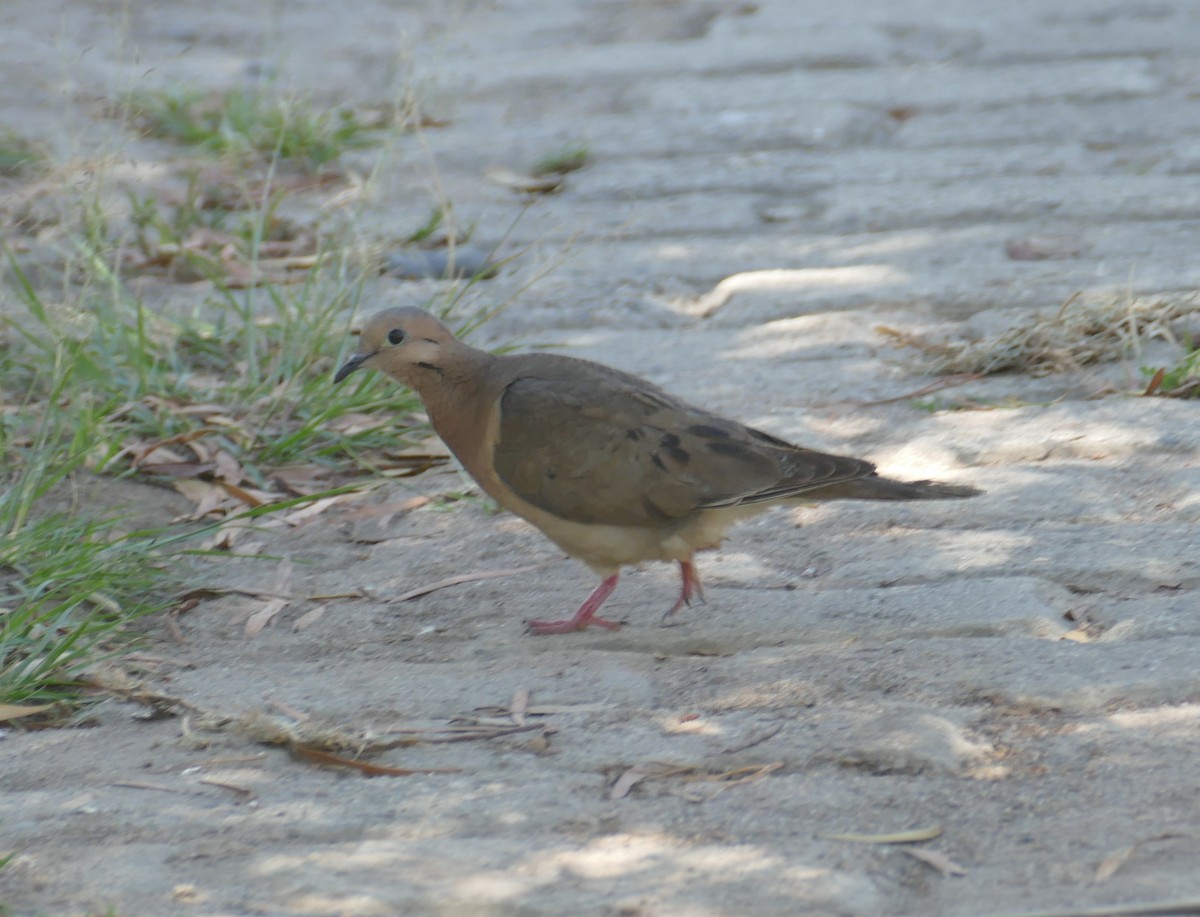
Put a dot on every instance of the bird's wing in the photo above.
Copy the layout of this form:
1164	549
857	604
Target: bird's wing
596	446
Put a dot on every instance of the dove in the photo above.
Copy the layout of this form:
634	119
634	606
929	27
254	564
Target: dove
611	468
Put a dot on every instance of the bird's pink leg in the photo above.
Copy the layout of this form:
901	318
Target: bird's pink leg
691	587
585	616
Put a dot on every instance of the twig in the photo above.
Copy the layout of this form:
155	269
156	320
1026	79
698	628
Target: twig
243	792
157	787
367	769
1186	906
948	382
462	578
754	740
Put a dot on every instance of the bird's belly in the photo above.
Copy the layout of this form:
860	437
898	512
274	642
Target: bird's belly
607	548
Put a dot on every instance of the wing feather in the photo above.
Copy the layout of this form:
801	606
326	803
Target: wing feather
596	446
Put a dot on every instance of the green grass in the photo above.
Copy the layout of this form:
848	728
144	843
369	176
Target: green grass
1181	380
569	159
94	375
69	583
86	383
18	154
248	124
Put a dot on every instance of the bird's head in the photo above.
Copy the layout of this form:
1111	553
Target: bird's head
405	342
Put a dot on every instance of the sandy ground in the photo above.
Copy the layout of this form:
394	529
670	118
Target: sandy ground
1018	671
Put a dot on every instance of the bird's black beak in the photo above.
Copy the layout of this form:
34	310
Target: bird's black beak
355	361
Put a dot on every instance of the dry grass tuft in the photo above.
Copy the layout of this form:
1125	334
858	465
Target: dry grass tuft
1078	334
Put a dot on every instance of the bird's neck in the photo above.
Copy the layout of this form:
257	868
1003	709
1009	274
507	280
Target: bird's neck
457	398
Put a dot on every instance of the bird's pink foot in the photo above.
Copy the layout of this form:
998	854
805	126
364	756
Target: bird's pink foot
585	617
691	588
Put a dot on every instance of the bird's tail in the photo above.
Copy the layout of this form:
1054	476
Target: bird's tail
874	487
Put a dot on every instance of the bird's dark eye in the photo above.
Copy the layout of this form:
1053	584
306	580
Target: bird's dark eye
396	336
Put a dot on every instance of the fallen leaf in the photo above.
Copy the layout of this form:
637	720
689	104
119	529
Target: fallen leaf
1043	248
936	859
519	705
242	791
1111	863
157	787
228	469
249	495
1156	382
384	510
758	739
177	469
463	578
314	509
631	778
914	836
207	497
351	423
329	759
526	184
264	616
159	455
226	536
309	618
302	480
16	711
1114	861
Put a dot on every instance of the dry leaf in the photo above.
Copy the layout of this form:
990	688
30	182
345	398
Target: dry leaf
207	497
244	792
16	711
309	618
352	423
277	603
250	495
1044	248
228	469
936	859
159	455
384	510
464	578
768	733
302	480
225	537
1114	861
914	836
1111	863
526	184
519	706
631	778
264	616
1155	382
328	759
314	509
177	469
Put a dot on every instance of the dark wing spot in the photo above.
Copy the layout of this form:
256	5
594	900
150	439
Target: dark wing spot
635	434
670	445
678	455
703	429
658	463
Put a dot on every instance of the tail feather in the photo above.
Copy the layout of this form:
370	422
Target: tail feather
874	487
